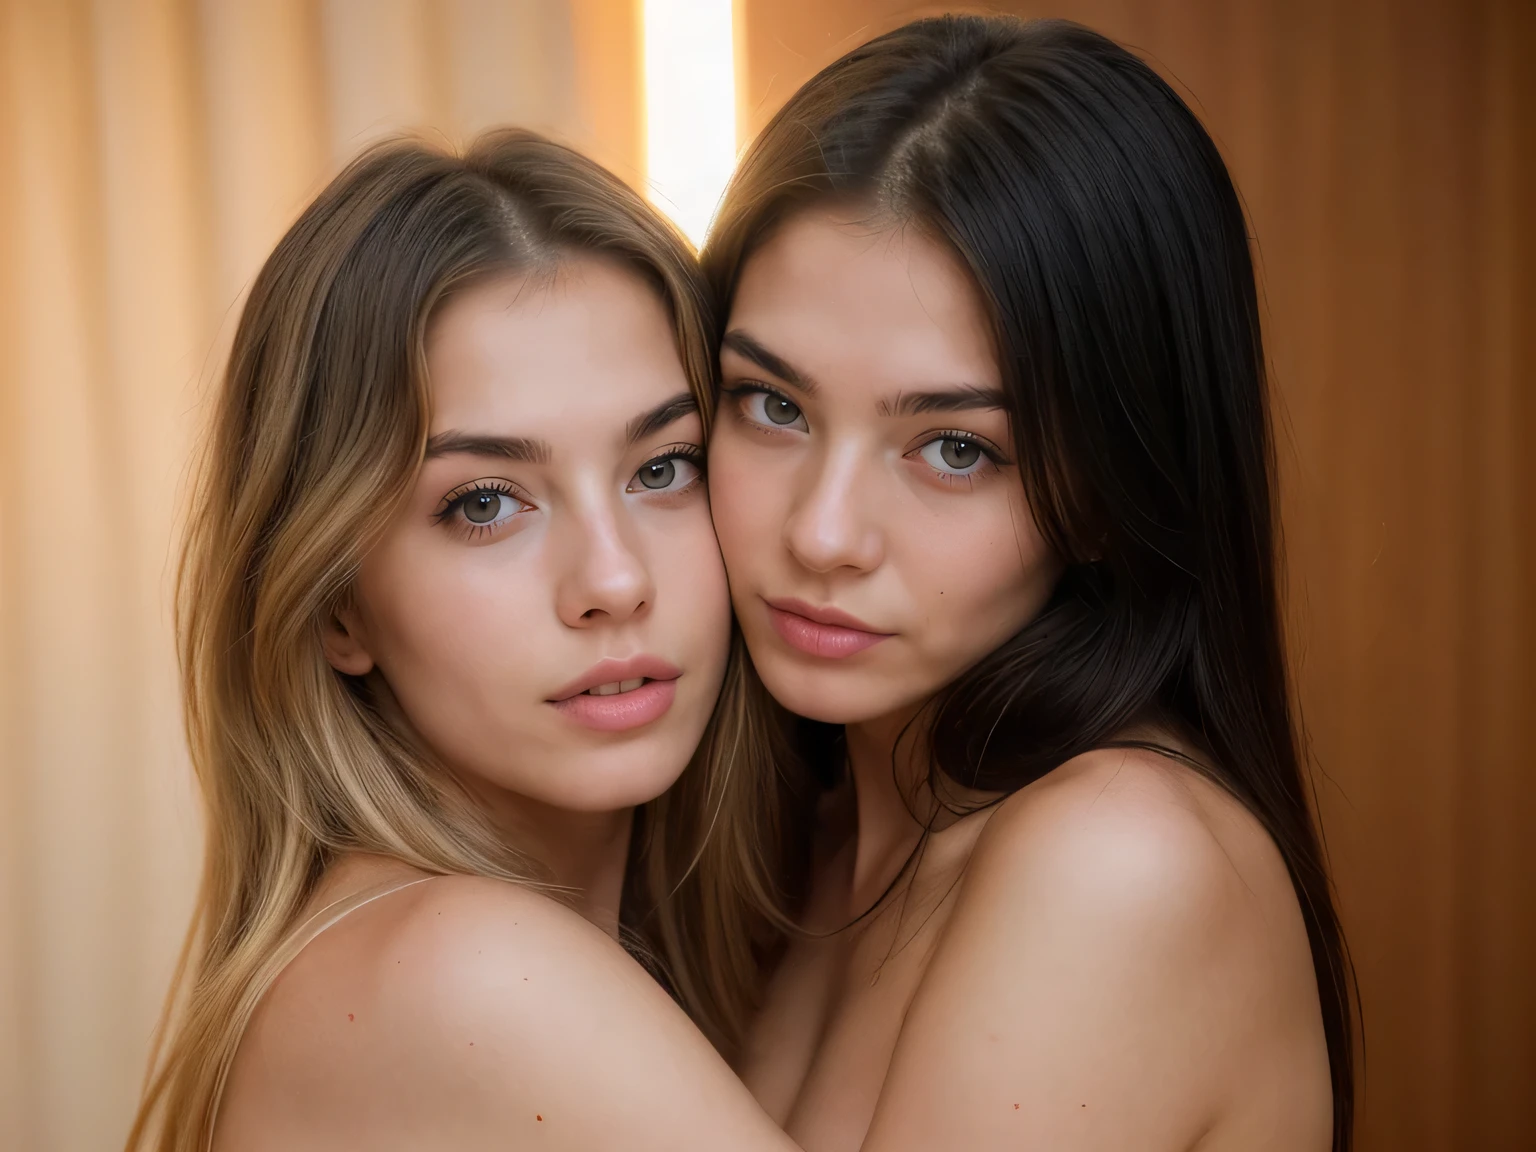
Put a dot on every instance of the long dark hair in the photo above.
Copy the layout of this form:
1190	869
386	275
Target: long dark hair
1110	246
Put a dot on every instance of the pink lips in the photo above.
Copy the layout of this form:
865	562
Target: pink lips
825	632
620	711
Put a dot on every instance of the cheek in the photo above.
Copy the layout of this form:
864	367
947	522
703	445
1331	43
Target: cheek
749	496
450	637
690	578
985	577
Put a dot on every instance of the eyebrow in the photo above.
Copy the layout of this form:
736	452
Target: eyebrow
745	346
667	412
963	398
518	449
525	450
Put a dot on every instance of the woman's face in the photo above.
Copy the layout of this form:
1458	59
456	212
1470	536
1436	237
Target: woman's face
548	608
862	472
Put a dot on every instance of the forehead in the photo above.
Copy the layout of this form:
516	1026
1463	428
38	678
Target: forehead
525	353
842	297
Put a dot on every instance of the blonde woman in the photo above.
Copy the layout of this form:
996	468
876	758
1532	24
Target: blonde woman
453	624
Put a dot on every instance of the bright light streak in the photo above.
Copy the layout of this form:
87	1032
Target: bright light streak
690	108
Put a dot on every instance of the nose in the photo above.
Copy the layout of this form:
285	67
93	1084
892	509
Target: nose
605	579
830	525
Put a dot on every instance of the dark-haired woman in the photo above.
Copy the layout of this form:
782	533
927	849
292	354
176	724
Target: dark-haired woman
992	476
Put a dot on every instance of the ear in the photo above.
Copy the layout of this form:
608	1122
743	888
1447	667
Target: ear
343	641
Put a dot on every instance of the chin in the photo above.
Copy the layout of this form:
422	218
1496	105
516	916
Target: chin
840	696
621	776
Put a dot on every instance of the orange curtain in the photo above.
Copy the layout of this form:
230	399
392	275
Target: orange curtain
151	152
1387	156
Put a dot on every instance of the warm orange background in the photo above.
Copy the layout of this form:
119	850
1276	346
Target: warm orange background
152	150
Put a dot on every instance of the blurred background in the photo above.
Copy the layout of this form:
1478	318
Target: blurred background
152	151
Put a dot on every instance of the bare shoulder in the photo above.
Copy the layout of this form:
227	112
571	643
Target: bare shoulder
479	948
1120	915
1139	836
469	1012
1157	867
448	951
414	989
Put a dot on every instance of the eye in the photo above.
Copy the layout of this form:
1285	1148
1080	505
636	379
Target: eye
670	473
481	506
773	409
954	455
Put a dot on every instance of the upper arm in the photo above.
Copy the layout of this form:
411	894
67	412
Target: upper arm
490	1017
1087	989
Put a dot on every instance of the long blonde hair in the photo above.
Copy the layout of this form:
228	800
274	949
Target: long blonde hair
319	429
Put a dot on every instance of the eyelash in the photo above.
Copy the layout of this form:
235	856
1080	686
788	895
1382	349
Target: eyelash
993	454
755	388
455	500
692	453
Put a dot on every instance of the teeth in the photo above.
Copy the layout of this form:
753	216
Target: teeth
615	688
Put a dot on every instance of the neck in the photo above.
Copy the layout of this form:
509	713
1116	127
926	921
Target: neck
892	800
585	852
